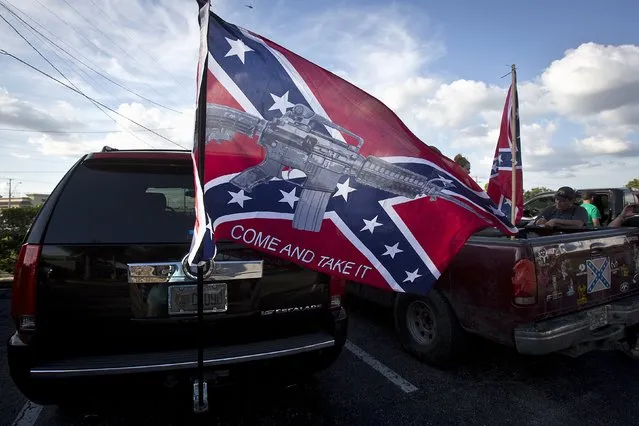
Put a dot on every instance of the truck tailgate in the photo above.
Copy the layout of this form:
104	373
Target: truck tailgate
585	269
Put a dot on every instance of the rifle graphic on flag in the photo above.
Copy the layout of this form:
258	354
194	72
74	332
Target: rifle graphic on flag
300	164
505	186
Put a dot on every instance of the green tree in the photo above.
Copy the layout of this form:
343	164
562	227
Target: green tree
634	183
535	191
14	224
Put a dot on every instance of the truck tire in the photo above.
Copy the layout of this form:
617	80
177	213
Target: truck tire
428	328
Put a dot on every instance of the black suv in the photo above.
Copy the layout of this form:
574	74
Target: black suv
101	288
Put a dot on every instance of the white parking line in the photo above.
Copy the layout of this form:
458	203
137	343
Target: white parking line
393	377
28	415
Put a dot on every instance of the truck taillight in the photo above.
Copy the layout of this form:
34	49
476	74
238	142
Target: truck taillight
23	293
337	287
524	283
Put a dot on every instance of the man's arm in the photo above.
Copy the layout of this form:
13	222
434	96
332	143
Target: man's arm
627	212
565	222
542	217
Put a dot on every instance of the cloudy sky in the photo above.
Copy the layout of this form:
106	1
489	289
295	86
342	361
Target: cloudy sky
437	64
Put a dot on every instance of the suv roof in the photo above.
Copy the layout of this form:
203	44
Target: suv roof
108	152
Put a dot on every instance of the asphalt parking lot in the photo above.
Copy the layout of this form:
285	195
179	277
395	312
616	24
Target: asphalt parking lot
375	383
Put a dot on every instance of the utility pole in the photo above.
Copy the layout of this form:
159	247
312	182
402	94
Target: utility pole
12	188
10	192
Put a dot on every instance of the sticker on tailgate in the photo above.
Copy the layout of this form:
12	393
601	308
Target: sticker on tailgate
598	274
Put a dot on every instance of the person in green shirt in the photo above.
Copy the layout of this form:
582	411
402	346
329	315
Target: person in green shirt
594	217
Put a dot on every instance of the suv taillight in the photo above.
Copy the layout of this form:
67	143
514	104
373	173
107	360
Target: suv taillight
336	288
524	283
23	293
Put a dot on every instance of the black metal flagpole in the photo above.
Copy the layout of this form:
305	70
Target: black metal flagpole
201	144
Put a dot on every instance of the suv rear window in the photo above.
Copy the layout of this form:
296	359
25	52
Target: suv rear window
108	203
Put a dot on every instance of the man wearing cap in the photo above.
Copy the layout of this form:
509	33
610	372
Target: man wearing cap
564	213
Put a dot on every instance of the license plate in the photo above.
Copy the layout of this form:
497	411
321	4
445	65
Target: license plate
183	299
598	318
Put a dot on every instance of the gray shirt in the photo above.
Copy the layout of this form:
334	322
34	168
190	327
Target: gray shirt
573	213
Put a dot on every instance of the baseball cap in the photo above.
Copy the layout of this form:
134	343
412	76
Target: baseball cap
565	192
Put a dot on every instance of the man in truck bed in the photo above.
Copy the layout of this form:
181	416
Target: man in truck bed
564	212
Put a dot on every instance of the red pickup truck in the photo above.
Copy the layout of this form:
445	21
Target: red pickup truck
571	292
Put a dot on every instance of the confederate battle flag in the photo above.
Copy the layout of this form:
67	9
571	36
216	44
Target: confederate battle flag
303	165
500	185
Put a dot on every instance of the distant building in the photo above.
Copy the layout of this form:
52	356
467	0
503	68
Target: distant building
29	200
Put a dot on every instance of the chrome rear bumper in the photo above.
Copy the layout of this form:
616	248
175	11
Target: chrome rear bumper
573	333
184	359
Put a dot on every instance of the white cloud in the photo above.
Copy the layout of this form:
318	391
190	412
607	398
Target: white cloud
603	145
17	113
535	100
460	102
177	128
538	139
404	95
593	79
19	155
581	112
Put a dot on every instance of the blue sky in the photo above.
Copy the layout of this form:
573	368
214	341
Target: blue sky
436	63
530	34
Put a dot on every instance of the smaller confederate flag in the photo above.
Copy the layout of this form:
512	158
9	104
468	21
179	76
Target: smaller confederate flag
500	185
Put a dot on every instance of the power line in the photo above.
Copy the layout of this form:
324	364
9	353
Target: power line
87	39
83	63
65	132
65	77
103	34
71	65
4	52
30	180
136	44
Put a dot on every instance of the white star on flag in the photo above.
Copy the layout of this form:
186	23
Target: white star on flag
281	103
412	276
392	250
238	48
209	225
370	225
444	180
343	189
496	211
238	197
289	197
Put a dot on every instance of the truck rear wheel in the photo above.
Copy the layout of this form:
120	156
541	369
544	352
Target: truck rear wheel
428	328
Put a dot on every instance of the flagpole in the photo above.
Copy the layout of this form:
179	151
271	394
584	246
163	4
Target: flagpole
201	145
513	144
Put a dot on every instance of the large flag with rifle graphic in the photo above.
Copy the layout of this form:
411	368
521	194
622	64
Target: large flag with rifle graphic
303	165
